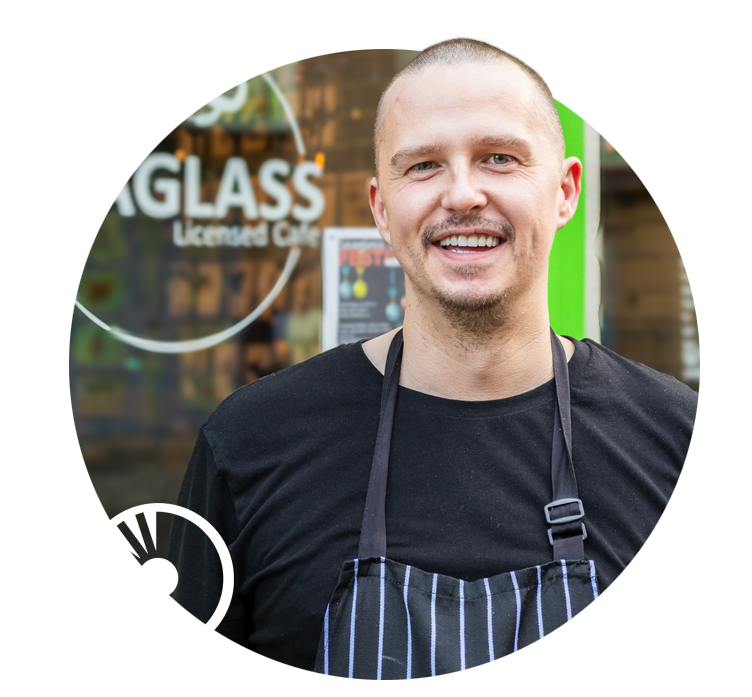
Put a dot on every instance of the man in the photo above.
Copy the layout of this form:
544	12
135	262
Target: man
472	185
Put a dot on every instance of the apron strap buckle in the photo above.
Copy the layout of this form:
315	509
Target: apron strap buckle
551	537
566	519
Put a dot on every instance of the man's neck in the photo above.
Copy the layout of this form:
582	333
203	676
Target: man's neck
441	360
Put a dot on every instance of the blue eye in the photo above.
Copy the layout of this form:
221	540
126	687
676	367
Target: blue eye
423	166
501	159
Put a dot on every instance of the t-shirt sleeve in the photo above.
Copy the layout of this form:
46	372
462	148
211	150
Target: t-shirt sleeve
198	565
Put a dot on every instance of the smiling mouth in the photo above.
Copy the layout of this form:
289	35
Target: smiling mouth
468	244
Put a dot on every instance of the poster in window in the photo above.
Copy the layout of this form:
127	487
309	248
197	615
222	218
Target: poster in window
364	286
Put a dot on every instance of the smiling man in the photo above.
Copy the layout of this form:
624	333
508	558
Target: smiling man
472	185
445	494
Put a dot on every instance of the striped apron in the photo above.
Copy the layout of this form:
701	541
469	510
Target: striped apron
389	621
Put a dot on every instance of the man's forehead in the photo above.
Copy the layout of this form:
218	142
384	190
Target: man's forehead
456	83
417	100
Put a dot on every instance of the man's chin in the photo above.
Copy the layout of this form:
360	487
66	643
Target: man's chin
470	302
474	312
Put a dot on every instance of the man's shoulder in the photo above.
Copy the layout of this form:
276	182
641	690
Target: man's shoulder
317	380
607	376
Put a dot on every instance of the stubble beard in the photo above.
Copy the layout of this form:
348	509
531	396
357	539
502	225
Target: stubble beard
473	316
469	314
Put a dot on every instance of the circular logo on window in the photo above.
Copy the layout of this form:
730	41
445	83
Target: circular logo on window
161	197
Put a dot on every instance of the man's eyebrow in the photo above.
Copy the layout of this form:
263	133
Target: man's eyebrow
413	153
502	142
508	141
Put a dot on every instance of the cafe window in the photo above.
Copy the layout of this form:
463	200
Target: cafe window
225	219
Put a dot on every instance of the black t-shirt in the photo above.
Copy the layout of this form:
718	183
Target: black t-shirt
281	469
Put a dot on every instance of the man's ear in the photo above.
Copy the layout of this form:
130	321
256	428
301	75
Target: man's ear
569	193
378	210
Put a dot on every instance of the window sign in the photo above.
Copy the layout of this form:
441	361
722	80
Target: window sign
216	197
364	286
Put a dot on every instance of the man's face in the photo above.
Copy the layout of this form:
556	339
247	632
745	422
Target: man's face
471	186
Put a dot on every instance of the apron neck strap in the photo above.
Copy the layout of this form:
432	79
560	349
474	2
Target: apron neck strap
565	512
373	529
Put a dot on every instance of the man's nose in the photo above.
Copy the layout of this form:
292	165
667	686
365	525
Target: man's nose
463	194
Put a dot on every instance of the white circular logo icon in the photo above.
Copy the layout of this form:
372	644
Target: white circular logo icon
132	608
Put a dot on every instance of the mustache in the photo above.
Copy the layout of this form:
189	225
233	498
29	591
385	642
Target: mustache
457	222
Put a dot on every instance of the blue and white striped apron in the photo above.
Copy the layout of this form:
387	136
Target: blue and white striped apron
389	621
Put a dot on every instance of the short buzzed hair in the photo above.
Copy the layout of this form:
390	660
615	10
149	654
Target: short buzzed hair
459	51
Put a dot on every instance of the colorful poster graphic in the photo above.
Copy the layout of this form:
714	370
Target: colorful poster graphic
363	286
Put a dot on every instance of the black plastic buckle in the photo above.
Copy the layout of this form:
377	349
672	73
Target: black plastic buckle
566	519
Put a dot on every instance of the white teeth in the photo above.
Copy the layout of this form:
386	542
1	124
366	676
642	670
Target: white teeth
470	241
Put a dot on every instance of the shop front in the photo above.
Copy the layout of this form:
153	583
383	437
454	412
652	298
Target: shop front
206	273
